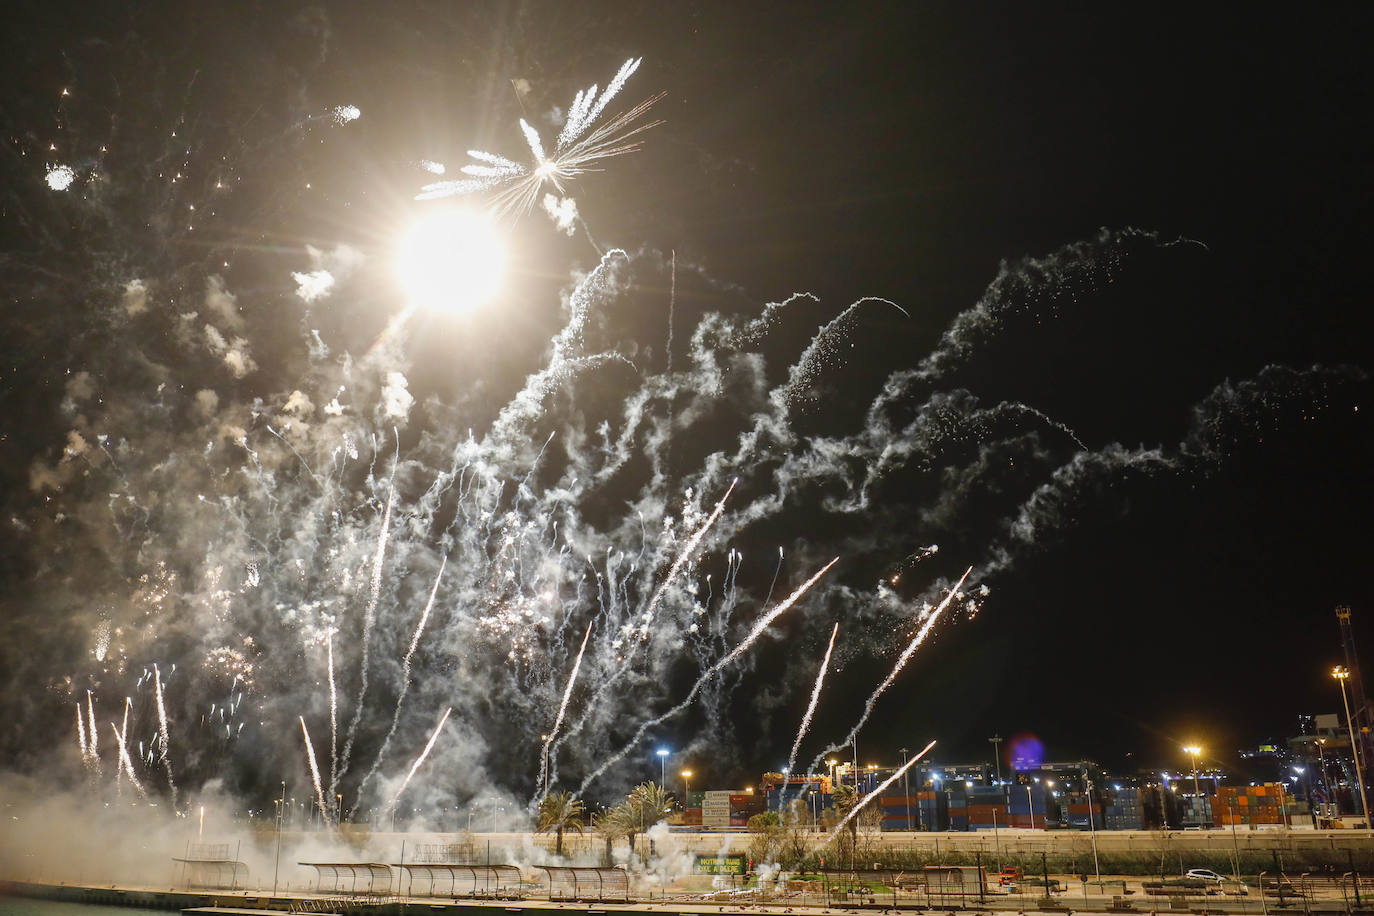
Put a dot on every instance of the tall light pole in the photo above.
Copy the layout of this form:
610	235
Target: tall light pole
663	766
1092	829
1340	673
1311	809
545	764
1321	768
906	788
996	742
281	807
1193	750
686	786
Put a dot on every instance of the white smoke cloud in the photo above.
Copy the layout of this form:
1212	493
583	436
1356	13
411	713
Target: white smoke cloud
80	387
328	269
222	304
396	400
135	298
313	285
563	212
234	353
299	404
76	444
207	403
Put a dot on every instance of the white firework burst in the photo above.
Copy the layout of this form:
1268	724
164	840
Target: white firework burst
578	146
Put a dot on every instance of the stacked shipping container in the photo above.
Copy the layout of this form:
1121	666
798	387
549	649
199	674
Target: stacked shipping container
986	807
1123	810
926	810
715	808
957	805
1197	811
1250	805
1076	810
1027	805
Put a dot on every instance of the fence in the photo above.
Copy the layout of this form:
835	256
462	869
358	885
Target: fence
599	884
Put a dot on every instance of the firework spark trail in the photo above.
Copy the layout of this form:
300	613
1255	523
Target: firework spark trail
876	792
123	737
558	720
647	617
577	148
763	624
527	404
586	107
405	679
685	555
164	737
369	618
314	768
95	742
910	650
391	805
777	570
127	763
672	302
815	698
333	723
81	735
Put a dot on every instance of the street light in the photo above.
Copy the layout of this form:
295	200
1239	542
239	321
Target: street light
544	765
686	786
663	766
1321	768
906	787
1092	828
996	742
1193	750
1340	674
1303	772
281	808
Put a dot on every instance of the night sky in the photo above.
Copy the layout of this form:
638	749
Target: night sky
1126	381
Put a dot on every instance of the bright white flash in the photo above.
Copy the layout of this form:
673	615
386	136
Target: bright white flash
450	259
60	177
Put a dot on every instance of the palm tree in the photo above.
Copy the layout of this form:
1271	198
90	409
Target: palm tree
558	812
611	826
645	806
846	800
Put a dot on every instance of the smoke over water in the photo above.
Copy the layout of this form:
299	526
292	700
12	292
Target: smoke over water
240	502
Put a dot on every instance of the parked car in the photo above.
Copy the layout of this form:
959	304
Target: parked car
1204	874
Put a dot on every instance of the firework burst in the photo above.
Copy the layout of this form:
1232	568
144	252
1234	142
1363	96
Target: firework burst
579	146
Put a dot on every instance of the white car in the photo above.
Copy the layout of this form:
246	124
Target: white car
1204	874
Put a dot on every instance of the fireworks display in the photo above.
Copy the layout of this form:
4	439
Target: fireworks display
260	491
515	187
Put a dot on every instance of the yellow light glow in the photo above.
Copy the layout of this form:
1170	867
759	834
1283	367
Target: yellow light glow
451	259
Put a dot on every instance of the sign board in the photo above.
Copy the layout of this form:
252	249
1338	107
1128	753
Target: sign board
732	864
